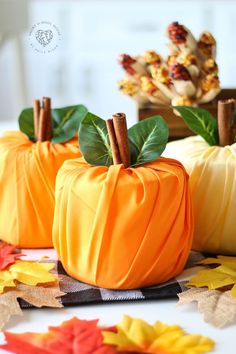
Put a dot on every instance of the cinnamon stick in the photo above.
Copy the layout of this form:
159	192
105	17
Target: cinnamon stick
47	107
36	118
42	125
225	118
120	127
113	142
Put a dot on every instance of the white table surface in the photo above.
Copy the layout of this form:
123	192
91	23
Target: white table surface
111	313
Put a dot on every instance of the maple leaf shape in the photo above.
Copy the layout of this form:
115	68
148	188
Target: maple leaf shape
30	273
8	255
71	337
38	296
136	335
9	306
221	276
218	308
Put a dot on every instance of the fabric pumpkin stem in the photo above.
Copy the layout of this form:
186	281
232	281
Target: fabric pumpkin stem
120	127
113	141
47	107
42	120
225	117
36	118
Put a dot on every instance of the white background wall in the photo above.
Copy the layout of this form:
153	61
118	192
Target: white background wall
84	68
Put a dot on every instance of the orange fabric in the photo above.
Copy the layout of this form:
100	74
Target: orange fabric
27	183
123	228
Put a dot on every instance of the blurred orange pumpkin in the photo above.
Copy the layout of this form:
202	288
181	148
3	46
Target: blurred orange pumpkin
123	228
27	180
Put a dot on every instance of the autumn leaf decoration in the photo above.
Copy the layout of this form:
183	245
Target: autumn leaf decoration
37	296
130	336
214	289
137	336
30	281
217	307
224	275
72	336
8	255
30	273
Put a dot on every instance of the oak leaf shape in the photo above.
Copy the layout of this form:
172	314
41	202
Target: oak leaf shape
137	336
8	255
38	296
71	337
218	308
224	275
30	273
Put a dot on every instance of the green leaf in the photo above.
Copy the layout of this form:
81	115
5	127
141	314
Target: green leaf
94	141
26	122
65	122
201	122
147	140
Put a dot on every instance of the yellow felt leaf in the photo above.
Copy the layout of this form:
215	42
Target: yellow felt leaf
33	273
135	335
223	275
226	260
6	280
30	273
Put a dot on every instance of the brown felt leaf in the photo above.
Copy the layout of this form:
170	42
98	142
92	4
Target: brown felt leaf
218	308
38	296
9	306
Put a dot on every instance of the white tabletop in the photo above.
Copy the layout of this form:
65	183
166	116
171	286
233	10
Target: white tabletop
111	313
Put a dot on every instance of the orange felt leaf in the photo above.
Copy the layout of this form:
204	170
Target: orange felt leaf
71	337
8	255
130	336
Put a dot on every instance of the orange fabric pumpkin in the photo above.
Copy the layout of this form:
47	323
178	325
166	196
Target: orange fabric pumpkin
123	228
27	180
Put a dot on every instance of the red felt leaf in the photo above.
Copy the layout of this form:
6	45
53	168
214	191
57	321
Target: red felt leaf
71	337
8	255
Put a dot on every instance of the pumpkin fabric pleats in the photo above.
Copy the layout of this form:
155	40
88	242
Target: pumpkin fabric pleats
212	172
123	228
27	179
